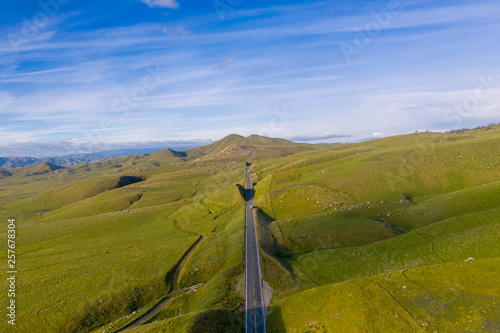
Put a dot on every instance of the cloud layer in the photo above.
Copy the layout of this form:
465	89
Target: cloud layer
155	77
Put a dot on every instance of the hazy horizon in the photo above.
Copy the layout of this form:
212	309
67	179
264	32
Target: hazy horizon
58	149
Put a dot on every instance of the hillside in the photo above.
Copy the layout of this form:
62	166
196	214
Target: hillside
374	224
401	232
236	147
136	214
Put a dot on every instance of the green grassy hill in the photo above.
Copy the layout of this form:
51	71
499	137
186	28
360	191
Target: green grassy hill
236	147
473	235
399	234
451	297
111	239
74	192
422	203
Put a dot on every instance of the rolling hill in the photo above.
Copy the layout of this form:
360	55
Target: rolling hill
392	235
387	230
84	236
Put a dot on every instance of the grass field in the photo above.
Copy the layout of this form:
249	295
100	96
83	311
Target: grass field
343	216
103	278
331	230
97	242
474	235
367	237
450	297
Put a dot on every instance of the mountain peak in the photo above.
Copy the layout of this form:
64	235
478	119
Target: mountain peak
233	136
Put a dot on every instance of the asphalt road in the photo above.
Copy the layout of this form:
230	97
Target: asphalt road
255	317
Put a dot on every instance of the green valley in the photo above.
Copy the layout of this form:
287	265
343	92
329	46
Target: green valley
400	234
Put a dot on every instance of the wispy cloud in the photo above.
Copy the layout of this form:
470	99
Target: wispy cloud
177	30
32	32
213	76
10	137
172	4
226	64
6	100
323	78
318	137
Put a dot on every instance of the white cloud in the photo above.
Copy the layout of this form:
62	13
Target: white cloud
372	94
12	136
378	135
323	78
43	106
172	4
6	99
22	37
317	137
178	30
225	65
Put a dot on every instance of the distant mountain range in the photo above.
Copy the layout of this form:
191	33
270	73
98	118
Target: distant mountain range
231	147
69	160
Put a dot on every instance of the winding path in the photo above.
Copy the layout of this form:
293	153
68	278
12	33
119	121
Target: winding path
175	280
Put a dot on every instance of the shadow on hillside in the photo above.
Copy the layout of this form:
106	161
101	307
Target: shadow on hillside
275	321
219	320
169	284
179	154
242	190
129	180
268	242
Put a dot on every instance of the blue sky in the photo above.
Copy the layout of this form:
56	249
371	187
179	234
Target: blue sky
80	76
